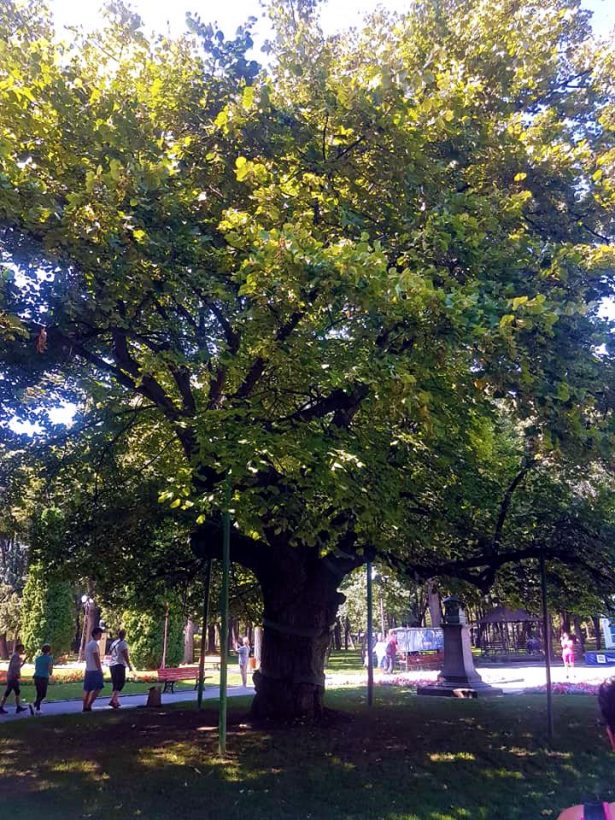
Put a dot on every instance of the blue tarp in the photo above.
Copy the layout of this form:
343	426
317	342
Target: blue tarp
605	658
415	639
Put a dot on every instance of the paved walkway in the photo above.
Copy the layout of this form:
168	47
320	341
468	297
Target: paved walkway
512	679
71	707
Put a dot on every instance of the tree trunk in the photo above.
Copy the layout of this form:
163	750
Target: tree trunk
300	600
300	603
433	599
4	648
91	619
579	633
211	639
337	635
189	631
565	621
598	633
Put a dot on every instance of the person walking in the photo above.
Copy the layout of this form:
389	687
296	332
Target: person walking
391	653
13	677
243	651
120	661
567	643
93	682
43	669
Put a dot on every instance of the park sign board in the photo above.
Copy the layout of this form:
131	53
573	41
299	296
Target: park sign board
418	639
607	627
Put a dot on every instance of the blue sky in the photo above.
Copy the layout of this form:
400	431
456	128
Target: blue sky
336	14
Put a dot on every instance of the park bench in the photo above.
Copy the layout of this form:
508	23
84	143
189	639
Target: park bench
170	675
423	660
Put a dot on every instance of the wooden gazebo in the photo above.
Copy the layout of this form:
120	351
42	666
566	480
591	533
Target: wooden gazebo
510	633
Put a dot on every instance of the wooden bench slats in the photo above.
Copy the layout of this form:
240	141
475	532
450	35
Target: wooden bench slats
170	675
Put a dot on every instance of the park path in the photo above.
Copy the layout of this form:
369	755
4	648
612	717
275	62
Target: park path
73	707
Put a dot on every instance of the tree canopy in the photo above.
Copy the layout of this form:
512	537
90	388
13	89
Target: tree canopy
326	279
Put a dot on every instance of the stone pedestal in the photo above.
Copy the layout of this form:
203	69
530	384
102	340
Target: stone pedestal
458	678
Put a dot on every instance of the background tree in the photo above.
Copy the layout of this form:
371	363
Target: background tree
145	631
48	612
10	616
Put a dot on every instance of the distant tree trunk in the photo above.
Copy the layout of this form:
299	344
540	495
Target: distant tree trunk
578	632
598	632
4	648
347	637
91	619
189	631
433	601
211	639
564	618
258	644
336	642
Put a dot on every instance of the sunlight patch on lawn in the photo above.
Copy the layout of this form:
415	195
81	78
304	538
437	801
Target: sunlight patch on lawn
450	757
502	774
78	767
185	754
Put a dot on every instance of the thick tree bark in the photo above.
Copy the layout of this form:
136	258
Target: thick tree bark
300	601
4	649
300	606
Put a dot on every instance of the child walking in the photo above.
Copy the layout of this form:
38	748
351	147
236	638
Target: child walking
43	669
13	676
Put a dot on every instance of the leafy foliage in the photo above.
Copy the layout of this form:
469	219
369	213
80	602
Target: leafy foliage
48	612
10	611
336	280
145	633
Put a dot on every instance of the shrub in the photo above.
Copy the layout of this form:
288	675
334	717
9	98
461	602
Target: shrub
47	612
145	636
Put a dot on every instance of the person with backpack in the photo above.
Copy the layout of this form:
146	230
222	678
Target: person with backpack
120	661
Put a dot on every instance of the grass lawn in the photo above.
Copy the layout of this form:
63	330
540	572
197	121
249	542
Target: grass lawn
409	757
58	690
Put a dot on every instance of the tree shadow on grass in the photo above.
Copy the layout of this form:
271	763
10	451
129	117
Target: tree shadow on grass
408	757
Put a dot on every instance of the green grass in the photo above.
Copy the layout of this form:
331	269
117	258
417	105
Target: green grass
340	661
408	757
345	661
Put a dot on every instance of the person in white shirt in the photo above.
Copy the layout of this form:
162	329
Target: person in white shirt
120	661
93	682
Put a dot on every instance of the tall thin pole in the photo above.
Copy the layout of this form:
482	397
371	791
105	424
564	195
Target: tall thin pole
370	630
224	617
165	639
546	626
206	585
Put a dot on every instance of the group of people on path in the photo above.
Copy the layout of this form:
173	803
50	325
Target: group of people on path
93	682
386	652
43	669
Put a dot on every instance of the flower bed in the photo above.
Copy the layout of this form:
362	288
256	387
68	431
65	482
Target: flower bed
567	688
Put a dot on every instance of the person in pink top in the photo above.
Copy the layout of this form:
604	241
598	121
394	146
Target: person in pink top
567	652
599	811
